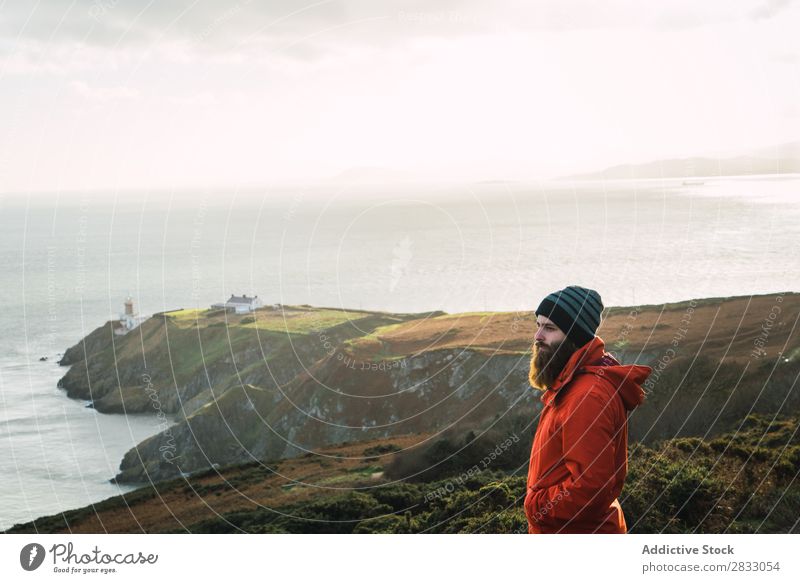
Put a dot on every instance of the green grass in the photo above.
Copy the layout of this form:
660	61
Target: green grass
367	470
302	323
188	317
793	355
292	322
373	336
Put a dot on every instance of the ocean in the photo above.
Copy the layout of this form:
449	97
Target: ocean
68	260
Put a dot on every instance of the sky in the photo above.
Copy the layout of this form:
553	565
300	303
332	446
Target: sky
182	94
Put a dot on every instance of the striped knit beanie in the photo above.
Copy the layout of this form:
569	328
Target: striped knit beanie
574	309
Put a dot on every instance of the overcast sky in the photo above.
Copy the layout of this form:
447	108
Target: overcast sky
119	93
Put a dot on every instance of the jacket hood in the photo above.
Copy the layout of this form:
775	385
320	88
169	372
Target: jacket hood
627	378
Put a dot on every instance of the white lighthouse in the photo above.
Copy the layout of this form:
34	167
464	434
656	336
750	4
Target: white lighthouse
128	319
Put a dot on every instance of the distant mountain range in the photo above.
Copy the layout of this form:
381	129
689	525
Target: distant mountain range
780	159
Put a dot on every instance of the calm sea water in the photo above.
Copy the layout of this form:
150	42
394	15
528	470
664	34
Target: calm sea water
68	261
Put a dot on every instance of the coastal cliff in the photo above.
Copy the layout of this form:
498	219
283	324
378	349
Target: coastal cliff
279	383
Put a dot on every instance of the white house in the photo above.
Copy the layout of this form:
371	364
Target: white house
240	304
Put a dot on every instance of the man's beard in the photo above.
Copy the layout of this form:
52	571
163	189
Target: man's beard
547	363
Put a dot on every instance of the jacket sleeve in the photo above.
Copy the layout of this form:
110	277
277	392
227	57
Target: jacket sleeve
588	433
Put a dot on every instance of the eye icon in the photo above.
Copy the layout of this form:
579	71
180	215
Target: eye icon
31	556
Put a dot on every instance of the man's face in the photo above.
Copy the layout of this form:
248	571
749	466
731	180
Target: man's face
551	351
548	335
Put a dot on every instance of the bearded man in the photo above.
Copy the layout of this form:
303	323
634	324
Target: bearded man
579	455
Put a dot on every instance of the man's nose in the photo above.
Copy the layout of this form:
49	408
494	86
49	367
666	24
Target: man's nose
539	336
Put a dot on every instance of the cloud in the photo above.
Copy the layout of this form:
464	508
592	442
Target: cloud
34	36
770	8
204	99
787	58
58	38
103	93
213	26
120	22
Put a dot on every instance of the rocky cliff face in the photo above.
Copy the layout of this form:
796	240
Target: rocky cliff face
336	402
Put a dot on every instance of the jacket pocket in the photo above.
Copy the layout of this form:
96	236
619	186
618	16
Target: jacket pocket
554	475
527	505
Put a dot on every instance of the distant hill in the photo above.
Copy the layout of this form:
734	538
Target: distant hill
695	168
780	159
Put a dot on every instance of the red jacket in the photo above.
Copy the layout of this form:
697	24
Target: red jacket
579	456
